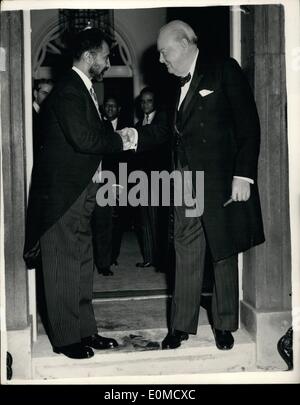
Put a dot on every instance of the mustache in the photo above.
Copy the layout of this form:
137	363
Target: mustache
96	74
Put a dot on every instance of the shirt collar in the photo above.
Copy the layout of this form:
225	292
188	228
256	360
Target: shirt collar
114	122
36	107
84	78
193	65
150	116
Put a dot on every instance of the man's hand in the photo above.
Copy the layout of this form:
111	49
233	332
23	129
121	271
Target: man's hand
128	136
240	190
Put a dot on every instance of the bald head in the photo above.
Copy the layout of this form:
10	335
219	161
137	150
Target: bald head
179	30
177	46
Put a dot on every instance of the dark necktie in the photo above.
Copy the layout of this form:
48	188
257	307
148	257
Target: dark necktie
185	79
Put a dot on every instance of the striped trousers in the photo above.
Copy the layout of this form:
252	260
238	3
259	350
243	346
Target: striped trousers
190	246
67	262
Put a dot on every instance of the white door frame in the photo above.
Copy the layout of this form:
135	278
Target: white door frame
29	154
236	53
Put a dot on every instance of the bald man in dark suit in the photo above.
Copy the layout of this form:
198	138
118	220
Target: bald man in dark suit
216	131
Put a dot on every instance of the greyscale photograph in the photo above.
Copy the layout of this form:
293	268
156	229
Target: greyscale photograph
145	209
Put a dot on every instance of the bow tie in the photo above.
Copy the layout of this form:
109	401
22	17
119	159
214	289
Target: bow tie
185	79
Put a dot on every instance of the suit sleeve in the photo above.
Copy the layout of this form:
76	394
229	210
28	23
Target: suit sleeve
154	134
83	130
245	117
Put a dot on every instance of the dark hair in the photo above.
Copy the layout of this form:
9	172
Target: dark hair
90	39
147	89
112	97
38	82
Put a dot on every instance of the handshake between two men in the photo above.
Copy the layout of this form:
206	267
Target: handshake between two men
129	138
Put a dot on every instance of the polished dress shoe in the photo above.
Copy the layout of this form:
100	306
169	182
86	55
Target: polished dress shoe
224	339
105	271
75	351
99	343
144	264
174	339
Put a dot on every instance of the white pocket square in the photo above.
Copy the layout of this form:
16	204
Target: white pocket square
205	92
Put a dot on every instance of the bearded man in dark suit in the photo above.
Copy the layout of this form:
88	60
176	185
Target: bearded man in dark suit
63	197
217	131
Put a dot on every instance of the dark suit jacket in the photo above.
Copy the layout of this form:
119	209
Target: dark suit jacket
221	136
74	139
36	144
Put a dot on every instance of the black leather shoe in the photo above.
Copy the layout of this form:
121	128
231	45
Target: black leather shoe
174	339
75	351
144	264
99	343
224	339
105	271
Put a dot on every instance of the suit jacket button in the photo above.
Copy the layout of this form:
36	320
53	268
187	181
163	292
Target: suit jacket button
200	107
202	124
204	140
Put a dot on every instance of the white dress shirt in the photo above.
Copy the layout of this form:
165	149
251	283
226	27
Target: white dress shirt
148	118
114	123
185	88
36	107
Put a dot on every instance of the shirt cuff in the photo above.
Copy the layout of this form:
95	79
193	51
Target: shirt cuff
135	139
244	178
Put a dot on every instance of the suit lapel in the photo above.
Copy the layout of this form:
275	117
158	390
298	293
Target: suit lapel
190	98
80	85
176	106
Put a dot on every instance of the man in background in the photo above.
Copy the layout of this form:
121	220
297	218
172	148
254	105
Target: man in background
42	89
109	223
151	221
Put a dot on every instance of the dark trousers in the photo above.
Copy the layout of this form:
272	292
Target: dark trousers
67	261
190	246
102	225
108	224
146	227
121	220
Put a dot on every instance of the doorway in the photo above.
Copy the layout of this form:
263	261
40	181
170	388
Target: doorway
122	79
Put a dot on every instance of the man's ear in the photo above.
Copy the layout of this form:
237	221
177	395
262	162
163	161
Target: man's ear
87	57
35	93
184	43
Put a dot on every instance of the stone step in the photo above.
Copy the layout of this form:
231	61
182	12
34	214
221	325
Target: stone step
197	355
133	313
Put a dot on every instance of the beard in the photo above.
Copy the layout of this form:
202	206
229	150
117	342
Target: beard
96	72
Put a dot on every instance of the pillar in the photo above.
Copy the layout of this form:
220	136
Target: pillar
266	305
